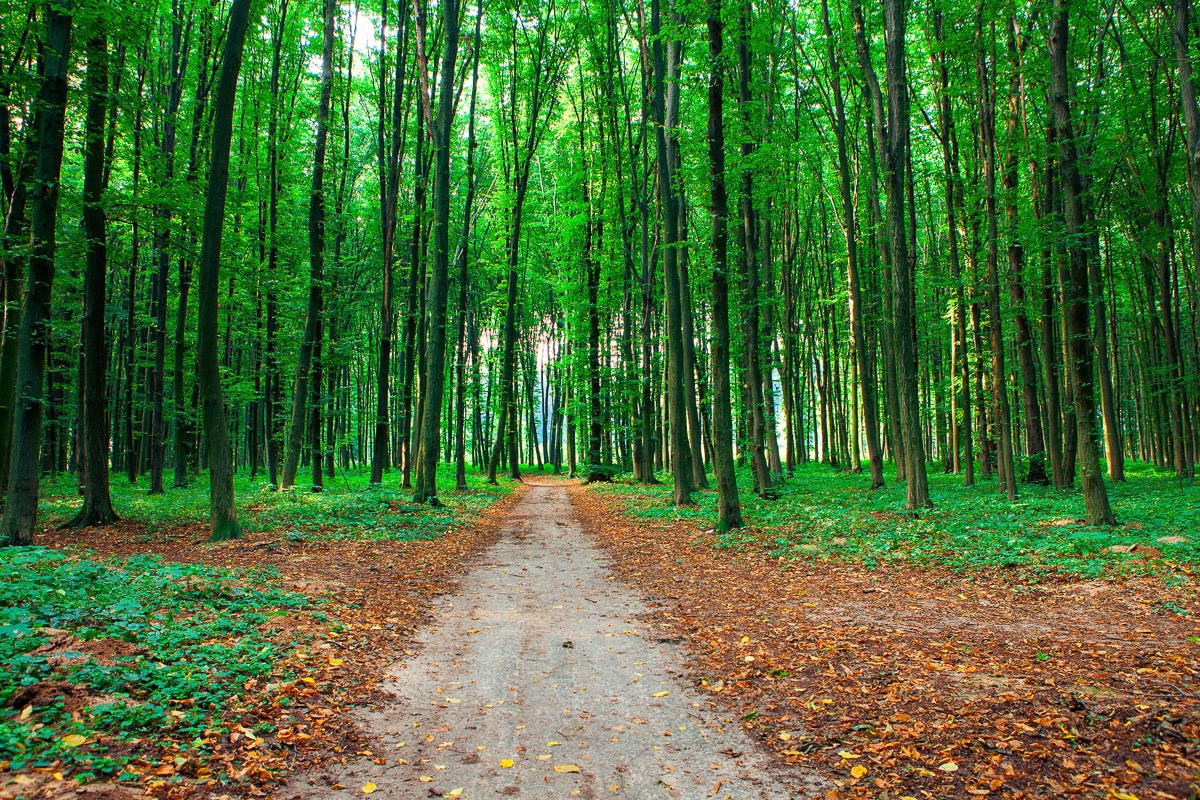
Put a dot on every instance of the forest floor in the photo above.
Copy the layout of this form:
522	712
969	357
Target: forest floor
982	649
978	650
142	657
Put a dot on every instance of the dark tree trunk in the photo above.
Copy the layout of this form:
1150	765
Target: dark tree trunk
222	513
301	418
865	362
665	109
963	457
1000	408
435	349
1075	286
97	505
729	508
20	510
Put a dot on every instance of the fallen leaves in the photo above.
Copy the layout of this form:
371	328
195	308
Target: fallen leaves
660	694
506	763
995	672
368	788
566	768
368	612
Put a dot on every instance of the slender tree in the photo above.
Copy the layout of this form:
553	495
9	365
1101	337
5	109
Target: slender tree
20	510
222	514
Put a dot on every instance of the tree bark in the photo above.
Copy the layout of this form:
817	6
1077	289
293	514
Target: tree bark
20	510
222	514
435	351
97	507
1075	286
865	362
729	508
316	264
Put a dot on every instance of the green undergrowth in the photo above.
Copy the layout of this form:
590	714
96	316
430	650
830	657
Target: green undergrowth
825	513
99	656
348	508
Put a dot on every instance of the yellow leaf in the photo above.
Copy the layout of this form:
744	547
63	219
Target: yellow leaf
368	788
309	681
949	766
454	792
335	662
745	640
848	754
425	779
58	776
506	763
783	737
858	771
660	694
74	740
473	632
566	768
1122	796
553	744
25	712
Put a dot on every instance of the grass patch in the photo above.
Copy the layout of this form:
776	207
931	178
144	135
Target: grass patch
348	508
97	655
826	513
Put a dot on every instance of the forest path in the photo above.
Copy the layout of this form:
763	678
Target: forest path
538	679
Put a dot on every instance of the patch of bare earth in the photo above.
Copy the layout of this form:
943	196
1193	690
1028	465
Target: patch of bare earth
371	597
924	682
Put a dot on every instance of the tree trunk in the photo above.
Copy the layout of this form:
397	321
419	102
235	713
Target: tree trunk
729	508
97	504
1075	287
223	515
864	361
435	350
1000	407
316	263
20	510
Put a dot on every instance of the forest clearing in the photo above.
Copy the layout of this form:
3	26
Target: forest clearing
637	398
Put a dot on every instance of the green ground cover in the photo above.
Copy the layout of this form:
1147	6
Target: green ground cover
825	513
184	640
106	660
347	509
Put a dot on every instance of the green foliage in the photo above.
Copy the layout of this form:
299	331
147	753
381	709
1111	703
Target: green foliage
822	513
191	639
347	509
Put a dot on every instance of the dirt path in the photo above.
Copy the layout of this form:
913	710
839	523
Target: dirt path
539	680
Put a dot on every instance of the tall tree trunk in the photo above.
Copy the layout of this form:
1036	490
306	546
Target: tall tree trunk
20	510
729	508
1035	440
747	238
1075	287
97	505
665	110
223	515
157	382
460	453
1181	35
987	119
435	351
865	362
961	434
316	264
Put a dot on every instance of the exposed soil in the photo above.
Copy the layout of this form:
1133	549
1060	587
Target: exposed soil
924	682
539	679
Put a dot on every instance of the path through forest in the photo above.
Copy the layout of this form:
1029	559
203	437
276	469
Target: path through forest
538	679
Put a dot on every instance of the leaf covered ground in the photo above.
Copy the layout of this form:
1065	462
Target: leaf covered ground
961	654
141	656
